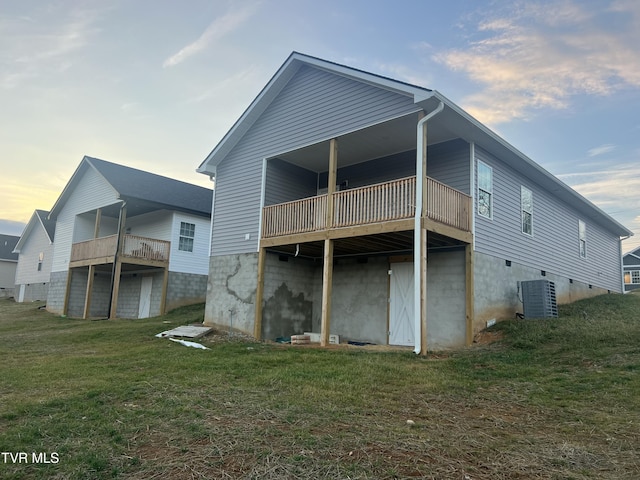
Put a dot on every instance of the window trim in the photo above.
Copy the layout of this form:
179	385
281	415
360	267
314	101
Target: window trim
523	211
488	192
185	234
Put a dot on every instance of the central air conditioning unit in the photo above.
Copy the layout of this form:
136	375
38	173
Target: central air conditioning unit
539	299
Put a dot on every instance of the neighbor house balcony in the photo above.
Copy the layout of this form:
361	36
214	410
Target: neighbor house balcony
389	205
135	250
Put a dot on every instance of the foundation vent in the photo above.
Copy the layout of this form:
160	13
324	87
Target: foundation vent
539	299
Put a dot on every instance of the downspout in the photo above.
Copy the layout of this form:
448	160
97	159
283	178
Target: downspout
417	310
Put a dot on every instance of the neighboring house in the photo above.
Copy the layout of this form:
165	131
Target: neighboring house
631	268
35	249
319	224
8	263
128	243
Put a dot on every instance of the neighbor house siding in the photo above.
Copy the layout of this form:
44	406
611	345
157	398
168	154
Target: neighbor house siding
314	106
7	274
92	192
156	225
554	245
27	269
196	261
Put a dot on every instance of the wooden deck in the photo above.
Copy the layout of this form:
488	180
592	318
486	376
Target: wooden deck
383	203
135	249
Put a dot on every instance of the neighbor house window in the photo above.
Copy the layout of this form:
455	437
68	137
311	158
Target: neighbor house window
40	260
582	232
526	202
634	276
187	233
485	190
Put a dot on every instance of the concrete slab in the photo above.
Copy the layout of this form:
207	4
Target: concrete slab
187	331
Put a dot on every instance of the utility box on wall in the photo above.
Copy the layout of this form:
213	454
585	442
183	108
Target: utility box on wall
539	299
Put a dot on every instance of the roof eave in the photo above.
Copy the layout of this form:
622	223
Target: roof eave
491	137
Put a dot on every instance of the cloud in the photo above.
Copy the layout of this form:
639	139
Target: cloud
613	190
219	28
538	55
602	149
38	45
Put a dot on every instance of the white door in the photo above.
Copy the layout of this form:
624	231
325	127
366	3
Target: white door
21	293
401	319
145	297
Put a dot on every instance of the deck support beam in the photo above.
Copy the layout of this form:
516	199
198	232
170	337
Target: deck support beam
165	285
327	268
87	297
117	263
327	284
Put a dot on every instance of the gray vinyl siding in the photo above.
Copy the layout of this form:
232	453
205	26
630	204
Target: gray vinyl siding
287	182
375	171
314	106
447	162
27	269
554	245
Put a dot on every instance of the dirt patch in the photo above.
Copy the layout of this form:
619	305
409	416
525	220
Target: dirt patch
486	337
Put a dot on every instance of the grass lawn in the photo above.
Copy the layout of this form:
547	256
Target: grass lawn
551	399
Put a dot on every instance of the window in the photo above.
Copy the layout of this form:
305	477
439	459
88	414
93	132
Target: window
632	277
582	231
187	233
526	202
485	190
40	259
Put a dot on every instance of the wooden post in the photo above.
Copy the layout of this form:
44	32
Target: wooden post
469	284
67	293
327	269
117	263
165	285
333	174
87	297
96	230
116	289
257	325
327	281
423	244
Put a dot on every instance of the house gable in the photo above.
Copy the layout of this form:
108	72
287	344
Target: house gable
86	191
314	106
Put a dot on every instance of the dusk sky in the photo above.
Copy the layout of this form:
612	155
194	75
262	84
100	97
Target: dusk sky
155	84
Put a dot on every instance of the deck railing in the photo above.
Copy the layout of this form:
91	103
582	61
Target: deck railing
375	203
299	216
382	202
96	248
146	248
448	205
134	246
